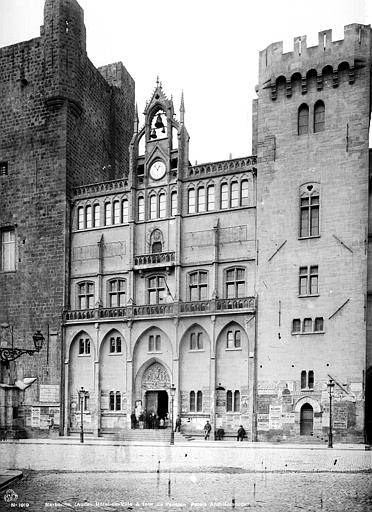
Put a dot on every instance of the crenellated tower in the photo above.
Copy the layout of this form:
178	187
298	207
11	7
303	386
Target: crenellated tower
312	127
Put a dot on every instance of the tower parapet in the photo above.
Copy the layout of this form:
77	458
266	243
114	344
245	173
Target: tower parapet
328	57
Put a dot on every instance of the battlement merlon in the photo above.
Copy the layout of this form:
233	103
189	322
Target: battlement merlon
117	75
356	46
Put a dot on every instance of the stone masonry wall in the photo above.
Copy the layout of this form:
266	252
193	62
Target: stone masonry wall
62	124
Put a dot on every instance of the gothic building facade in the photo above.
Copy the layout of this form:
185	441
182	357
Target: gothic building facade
242	283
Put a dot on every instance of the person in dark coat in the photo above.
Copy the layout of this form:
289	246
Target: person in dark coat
220	433
133	420
241	433
207	430
178	424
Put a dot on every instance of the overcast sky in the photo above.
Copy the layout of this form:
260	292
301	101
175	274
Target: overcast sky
207	48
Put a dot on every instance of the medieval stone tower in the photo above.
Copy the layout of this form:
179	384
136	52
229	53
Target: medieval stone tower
63	123
312	208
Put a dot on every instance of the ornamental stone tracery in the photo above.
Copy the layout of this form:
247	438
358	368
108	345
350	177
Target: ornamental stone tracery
155	377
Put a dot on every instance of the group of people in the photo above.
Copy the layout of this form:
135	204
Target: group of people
220	432
153	421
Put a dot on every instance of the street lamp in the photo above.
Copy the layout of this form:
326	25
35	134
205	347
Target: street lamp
330	386
11	353
82	395
172	393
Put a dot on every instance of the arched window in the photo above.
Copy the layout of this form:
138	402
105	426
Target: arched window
307	325
116	212
156	247
199	401
155	289
81	217
108	214
309	211
198	285
318	324
125	210
224	196
235	283
85	295
303	379
196	341
153	212
115	345
303	119
244	197
210	198
162	206
234	194
173	203
236	401
237	339
191	201
229	401
201	199
310	380
154	343
96	215
192	401
141	208
88	216
296	325
116	293
112	401
118	401
319	116
84	346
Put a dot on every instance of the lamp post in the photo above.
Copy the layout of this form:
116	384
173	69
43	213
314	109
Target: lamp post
330	386
82	394
11	353
172	393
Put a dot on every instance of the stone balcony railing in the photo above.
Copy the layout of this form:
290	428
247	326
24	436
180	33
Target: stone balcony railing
157	259
164	310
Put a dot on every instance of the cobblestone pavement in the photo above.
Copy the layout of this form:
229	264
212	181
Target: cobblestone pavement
220	490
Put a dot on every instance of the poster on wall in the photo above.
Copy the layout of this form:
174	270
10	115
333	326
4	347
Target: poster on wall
35	417
263	422
275	417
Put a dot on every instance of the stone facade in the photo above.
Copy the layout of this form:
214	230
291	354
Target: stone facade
57	125
313	324
243	283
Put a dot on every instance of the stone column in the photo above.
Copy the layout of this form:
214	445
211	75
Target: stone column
97	387
66	428
130	376
212	378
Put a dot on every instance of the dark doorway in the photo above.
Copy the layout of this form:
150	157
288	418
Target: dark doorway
157	402
306	420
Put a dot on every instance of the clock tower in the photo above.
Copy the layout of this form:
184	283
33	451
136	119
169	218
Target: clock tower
159	150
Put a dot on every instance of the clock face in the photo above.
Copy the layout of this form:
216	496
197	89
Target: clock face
157	170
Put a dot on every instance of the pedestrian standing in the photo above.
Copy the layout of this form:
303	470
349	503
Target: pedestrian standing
241	433
207	430
178	424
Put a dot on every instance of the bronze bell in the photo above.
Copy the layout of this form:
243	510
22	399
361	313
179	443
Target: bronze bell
153	134
159	122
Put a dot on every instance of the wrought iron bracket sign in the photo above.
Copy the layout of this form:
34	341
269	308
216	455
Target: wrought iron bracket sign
11	353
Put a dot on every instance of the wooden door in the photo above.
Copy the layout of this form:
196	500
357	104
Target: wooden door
152	402
306	420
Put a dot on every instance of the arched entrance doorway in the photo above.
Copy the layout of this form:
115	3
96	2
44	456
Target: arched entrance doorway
306	420
154	386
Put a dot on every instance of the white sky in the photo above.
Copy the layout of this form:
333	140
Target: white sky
208	48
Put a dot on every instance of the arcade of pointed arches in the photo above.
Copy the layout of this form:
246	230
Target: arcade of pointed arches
118	379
